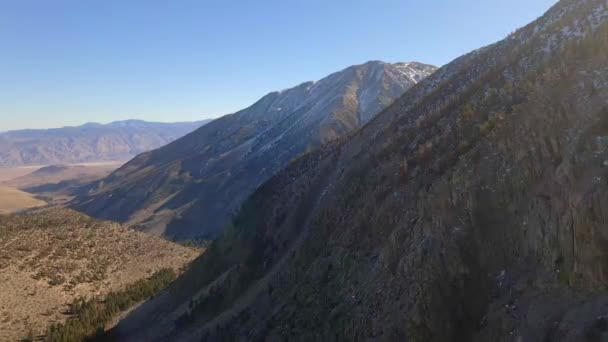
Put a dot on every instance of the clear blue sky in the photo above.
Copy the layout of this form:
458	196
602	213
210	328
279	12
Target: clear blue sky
66	62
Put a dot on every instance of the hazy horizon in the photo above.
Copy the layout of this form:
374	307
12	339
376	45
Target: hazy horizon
104	123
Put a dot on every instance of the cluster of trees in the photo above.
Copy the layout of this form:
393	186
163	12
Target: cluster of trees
89	317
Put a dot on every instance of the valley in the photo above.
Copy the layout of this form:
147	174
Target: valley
34	186
384	201
9	173
12	200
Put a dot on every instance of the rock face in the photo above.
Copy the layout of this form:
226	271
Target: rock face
473	209
88	143
190	188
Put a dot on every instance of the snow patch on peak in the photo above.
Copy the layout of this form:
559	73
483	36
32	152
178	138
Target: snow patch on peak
414	71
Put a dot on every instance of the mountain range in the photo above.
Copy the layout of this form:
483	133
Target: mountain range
91	142
191	187
472	209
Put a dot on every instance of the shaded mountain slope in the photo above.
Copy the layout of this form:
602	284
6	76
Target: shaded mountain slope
91	142
473	209
191	187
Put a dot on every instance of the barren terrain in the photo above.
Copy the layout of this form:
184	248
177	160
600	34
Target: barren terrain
12	200
8	173
31	177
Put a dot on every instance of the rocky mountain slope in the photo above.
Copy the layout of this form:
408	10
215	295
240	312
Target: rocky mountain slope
473	209
191	187
91	142
53	256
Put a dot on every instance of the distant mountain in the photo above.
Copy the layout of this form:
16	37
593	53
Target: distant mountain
91	142
50	170
190	187
473	209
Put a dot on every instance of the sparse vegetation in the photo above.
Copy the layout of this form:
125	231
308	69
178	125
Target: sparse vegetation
53	256
489	124
424	153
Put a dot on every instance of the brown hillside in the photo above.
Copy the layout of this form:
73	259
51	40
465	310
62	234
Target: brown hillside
50	257
13	200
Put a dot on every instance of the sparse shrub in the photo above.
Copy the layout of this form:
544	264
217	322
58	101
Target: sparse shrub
403	169
24	248
467	113
464	146
424	121
565	277
424	152
488	126
56	279
29	337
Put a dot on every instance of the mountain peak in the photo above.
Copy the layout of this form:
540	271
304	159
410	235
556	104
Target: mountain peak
236	153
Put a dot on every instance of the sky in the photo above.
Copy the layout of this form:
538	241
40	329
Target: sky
67	62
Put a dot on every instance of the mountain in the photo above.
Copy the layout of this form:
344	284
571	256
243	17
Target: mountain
91	142
473	209
51	257
191	187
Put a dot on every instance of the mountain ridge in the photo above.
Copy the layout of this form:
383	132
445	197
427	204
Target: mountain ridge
190	187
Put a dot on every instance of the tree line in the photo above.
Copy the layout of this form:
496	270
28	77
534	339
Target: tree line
89	317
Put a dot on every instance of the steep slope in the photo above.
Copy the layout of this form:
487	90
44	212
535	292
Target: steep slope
88	143
473	209
53	256
191	187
